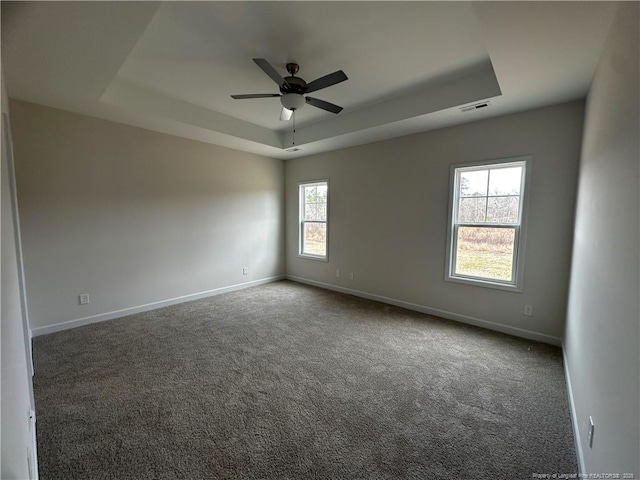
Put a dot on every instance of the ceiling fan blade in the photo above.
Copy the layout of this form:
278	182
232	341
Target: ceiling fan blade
255	95
326	81
329	107
269	70
285	115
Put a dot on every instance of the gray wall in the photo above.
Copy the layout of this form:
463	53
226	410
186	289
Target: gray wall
133	217
16	396
602	337
388	216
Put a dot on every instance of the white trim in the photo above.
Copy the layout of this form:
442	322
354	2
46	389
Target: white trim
58	327
32	449
483	282
32	452
308	256
15	214
574	415
515	331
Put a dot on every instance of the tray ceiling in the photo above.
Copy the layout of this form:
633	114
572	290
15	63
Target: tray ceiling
172	66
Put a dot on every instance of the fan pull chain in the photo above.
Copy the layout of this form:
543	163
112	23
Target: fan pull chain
293	136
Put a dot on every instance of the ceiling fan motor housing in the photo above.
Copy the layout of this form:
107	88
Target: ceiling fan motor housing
296	85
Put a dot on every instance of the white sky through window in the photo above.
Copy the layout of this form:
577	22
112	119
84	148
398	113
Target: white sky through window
502	181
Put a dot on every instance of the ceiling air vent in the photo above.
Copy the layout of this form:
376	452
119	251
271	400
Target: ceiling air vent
477	106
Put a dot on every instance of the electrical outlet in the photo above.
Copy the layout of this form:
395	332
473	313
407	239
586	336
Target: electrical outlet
245	270
591	431
84	299
528	310
337	273
351	276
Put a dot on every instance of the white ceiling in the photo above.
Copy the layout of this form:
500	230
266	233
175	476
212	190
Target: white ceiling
172	66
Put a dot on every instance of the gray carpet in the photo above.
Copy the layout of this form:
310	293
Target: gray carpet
286	381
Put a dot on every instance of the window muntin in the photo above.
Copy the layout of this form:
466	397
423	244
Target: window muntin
486	223
313	219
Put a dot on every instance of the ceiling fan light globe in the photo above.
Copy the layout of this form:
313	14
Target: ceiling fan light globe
292	101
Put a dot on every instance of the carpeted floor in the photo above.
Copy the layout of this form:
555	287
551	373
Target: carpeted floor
287	381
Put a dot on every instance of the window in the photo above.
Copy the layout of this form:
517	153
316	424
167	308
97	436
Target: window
487	223
313	219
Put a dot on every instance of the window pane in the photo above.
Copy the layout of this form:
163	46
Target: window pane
310	194
505	181
310	212
322	193
485	252
472	210
503	209
473	183
321	212
314	238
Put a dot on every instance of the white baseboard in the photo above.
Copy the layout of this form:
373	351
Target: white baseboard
574	415
518	332
32	450
58	327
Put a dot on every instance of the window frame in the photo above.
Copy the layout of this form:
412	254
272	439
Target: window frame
520	230
301	221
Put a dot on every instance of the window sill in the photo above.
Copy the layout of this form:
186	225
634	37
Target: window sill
485	283
313	257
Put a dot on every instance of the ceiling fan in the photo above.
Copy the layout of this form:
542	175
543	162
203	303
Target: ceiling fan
293	90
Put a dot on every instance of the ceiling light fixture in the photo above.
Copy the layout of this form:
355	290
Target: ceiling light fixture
292	101
285	115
